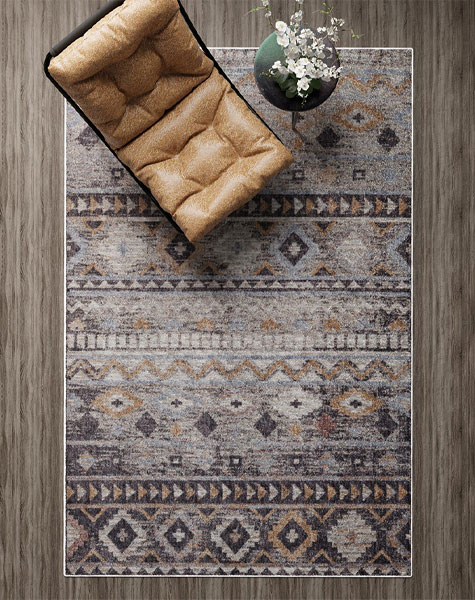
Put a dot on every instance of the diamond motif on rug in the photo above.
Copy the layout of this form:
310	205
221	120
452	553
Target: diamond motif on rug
359	116
117	402
292	535
122	535
328	138
265	425
351	536
355	403
146	424
180	249
72	247
294	248
87	138
235	536
388	139
404	249
386	424
178	535
206	424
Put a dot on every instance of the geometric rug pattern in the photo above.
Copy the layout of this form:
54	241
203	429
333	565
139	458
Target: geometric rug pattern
242	406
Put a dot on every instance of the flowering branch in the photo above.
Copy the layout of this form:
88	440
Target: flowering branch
303	69
268	14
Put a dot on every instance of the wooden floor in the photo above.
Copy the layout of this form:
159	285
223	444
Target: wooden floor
31	287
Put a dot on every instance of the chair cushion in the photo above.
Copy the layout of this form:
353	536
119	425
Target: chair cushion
142	80
132	66
206	158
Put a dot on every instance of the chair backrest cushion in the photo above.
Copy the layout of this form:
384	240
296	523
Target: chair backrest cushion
132	66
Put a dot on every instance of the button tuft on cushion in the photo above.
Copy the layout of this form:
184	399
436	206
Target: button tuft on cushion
138	74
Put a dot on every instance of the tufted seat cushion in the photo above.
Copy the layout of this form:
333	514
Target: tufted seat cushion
141	78
206	157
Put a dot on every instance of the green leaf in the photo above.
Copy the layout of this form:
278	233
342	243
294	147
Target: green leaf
355	35
289	83
280	77
291	93
316	84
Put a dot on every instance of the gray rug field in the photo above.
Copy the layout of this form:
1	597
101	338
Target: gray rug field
243	406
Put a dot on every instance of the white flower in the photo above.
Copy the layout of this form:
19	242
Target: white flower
303	84
310	52
299	71
292	52
305	34
327	74
332	33
283	40
265	4
303	61
291	65
278	66
281	27
316	53
292	39
311	72
296	18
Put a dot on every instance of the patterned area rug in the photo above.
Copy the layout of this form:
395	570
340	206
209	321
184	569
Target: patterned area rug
242	407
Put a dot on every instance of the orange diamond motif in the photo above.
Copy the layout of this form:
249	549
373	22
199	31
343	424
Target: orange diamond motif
117	402
355	403
358	117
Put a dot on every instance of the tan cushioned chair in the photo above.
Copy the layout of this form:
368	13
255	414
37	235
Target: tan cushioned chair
164	107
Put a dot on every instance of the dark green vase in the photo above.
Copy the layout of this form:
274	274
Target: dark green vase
270	51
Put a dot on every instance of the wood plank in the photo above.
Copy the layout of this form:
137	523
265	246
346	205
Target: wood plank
31	308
